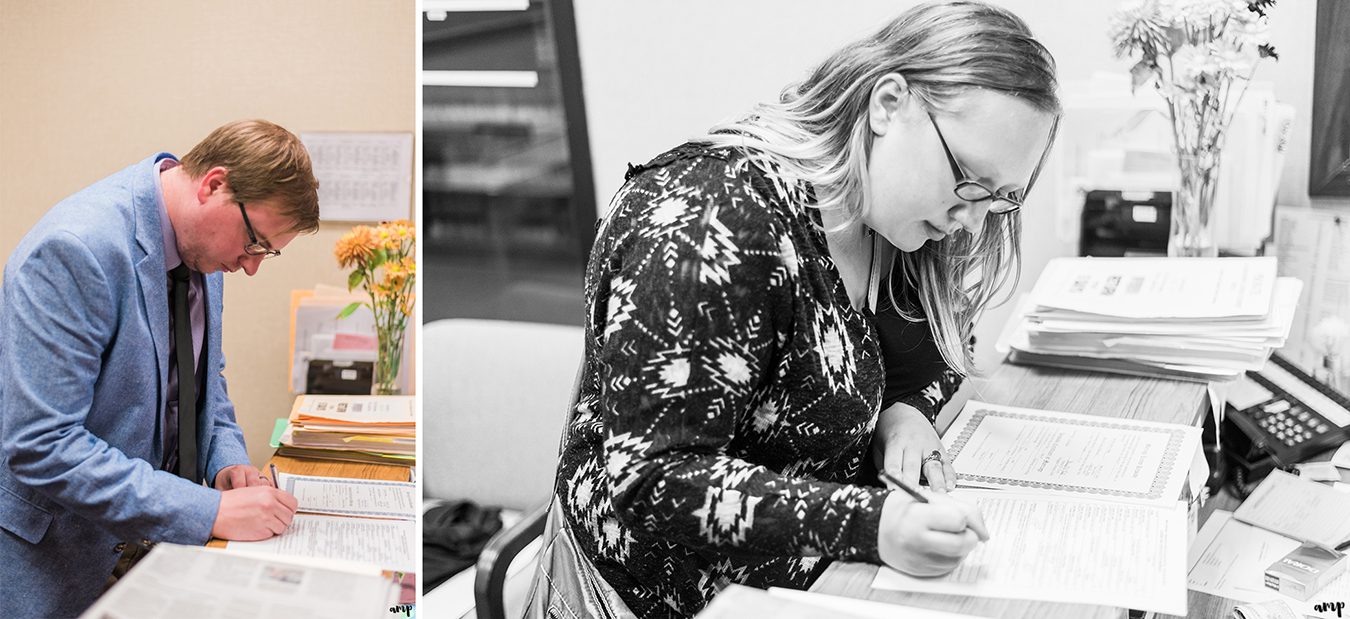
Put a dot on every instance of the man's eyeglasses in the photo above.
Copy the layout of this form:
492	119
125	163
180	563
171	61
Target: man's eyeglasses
254	248
972	190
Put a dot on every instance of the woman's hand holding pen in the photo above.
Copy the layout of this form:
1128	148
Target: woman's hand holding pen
927	535
905	442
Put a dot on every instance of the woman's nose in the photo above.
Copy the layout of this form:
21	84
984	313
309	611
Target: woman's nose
970	216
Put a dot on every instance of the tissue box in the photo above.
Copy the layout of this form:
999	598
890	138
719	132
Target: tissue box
1303	572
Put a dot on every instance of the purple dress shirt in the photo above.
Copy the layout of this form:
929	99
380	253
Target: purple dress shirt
196	309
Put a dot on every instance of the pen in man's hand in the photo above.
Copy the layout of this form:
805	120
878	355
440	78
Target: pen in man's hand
276	483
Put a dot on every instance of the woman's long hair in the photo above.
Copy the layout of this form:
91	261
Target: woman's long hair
818	131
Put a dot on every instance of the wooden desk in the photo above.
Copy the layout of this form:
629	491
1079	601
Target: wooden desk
327	468
1089	393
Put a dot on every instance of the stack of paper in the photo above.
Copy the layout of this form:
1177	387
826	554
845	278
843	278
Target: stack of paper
1208	319
380	429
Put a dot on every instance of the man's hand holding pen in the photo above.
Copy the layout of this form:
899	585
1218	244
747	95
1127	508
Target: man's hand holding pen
251	506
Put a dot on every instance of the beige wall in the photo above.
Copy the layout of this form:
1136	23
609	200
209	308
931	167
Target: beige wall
660	71
87	88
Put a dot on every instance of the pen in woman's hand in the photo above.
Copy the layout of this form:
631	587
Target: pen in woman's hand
910	490
276	483
973	522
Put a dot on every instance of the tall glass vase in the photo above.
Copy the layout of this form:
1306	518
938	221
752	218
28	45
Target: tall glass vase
389	362
1192	233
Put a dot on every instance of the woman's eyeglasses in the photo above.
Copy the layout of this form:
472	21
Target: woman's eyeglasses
972	190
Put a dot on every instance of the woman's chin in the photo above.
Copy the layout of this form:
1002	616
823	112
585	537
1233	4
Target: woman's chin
911	243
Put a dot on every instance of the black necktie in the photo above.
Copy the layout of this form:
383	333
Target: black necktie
187	382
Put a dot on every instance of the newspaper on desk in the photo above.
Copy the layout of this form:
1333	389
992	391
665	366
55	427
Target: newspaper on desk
174	582
1081	509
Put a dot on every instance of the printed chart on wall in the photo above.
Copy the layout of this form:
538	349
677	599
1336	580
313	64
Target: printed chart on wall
1314	246
363	176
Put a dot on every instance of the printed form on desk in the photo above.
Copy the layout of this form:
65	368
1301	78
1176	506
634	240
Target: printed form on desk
1062	549
1081	508
340	496
1298	508
389	544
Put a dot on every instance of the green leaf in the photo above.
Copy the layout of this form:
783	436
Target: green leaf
356	278
378	258
347	311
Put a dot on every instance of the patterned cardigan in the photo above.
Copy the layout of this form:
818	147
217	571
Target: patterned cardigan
729	391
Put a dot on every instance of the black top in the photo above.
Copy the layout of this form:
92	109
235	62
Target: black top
914	367
729	391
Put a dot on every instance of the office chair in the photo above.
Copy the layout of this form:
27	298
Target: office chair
501	550
489	583
494	393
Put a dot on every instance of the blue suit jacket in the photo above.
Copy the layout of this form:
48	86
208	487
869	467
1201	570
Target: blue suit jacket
84	352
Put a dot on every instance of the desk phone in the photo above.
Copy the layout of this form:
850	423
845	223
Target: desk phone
1302	418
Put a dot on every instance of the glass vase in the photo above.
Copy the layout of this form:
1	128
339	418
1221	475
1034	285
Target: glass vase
388	363
1192	232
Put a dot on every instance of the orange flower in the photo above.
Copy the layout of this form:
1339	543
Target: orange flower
400	229
355	247
395	275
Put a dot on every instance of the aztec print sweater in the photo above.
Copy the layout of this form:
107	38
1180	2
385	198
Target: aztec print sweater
729	391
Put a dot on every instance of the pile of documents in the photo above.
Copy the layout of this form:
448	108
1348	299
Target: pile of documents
1207	319
377	429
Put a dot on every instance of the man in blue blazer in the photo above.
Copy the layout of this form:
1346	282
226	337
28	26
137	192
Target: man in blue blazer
89	418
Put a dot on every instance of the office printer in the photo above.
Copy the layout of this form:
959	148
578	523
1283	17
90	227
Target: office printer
1125	223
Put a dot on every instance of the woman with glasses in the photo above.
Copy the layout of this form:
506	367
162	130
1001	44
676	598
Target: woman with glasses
731	398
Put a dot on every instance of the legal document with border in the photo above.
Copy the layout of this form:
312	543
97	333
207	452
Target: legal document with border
1108	458
340	496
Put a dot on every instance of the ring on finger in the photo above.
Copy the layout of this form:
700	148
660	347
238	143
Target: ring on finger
935	456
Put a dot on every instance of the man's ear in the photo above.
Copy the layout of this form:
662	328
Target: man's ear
889	96
211	183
